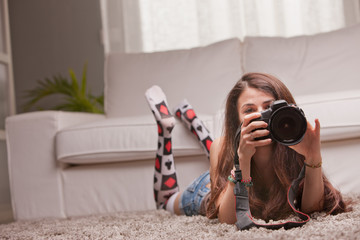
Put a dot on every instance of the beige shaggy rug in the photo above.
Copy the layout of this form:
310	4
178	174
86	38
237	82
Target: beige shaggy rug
159	224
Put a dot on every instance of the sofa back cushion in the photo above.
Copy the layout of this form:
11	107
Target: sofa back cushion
326	62
203	75
338	118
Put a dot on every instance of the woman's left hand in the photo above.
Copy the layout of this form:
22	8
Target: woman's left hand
309	147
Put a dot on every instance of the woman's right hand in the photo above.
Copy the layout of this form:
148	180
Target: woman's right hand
250	130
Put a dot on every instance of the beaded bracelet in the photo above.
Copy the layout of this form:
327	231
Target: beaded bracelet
233	173
247	182
313	166
231	179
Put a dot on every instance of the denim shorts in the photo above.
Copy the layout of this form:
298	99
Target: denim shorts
192	197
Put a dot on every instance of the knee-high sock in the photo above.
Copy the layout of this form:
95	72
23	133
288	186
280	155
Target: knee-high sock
187	114
165	180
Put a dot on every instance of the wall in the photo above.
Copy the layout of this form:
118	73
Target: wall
5	200
51	36
351	11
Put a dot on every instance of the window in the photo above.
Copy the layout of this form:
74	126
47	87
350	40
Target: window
158	25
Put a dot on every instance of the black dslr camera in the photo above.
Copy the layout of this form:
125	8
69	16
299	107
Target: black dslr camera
287	123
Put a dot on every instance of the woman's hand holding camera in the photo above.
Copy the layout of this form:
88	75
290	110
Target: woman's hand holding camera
251	130
309	147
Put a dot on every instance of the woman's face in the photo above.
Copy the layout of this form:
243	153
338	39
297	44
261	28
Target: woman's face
253	100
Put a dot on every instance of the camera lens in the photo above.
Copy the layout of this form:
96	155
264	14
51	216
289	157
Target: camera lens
288	125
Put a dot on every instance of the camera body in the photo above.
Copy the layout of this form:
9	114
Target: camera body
286	122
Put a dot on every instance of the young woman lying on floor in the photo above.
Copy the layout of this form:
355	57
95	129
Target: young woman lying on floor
268	167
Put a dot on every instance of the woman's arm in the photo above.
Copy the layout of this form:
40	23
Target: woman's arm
313	192
247	148
226	200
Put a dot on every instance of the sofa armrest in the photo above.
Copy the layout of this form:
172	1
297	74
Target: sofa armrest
35	182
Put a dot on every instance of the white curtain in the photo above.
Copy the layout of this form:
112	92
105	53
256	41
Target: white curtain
158	25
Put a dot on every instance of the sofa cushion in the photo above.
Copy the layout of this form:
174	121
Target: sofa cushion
337	112
122	139
338	118
203	75
326	62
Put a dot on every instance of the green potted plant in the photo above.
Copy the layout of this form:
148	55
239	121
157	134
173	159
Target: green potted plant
76	97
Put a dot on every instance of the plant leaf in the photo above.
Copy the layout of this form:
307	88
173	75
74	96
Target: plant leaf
83	82
47	87
74	82
75	97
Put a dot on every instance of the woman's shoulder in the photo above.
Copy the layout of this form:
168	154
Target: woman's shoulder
217	143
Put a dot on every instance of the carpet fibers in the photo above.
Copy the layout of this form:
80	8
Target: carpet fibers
159	224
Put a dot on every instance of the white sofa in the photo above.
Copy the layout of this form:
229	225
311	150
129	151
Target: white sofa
64	164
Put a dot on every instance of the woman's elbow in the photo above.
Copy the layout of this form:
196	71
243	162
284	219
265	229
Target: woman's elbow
228	217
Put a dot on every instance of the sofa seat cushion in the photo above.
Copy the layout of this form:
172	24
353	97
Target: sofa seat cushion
338	113
122	139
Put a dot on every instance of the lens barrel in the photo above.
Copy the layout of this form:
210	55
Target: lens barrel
287	125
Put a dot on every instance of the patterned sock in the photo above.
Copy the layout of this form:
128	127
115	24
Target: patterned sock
165	181
186	113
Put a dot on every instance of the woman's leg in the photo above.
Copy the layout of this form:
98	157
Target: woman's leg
165	180
189	202
192	201
187	114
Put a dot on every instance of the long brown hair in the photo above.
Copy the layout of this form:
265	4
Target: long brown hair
286	162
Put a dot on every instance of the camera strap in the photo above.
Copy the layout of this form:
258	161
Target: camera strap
244	220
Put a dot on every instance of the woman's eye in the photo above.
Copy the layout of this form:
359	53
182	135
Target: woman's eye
249	110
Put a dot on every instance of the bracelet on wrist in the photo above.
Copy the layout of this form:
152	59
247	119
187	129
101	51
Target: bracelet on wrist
232	174
313	165
246	182
231	179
